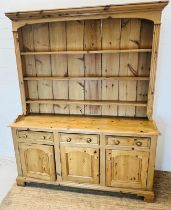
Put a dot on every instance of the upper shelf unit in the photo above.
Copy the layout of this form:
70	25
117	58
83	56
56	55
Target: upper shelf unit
88	61
90	67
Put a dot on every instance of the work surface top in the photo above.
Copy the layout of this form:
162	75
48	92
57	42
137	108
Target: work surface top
120	126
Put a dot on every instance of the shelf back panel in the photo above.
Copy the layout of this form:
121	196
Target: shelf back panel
88	35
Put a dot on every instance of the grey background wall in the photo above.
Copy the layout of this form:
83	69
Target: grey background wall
10	105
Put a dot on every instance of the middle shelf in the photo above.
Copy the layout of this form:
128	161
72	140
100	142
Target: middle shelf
86	52
87	102
37	78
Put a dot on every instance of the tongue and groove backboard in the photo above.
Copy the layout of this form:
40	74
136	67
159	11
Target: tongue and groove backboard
97	61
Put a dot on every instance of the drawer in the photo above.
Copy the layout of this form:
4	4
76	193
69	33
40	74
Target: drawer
128	141
79	138
35	135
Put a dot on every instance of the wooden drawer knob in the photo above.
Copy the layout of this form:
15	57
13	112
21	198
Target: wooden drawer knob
89	140
139	143
43	137
116	142
25	136
68	139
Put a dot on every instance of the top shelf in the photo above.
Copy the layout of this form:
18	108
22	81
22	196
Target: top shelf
87	52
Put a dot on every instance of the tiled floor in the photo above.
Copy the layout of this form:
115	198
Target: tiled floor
8	173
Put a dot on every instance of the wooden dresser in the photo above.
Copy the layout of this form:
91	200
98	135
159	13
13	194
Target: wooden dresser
87	83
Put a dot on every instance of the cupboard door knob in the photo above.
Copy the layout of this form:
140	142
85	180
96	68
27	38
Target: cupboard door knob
68	139
96	157
116	142
139	143
25	136
89	140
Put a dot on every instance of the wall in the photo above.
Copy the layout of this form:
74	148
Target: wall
10	105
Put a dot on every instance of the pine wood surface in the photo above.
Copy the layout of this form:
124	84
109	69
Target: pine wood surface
149	10
103	60
113	125
87	78
43	159
88	102
119	150
90	57
95	36
42	198
94	62
118	176
86	52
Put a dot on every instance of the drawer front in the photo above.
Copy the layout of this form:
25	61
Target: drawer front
34	135
79	138
128	141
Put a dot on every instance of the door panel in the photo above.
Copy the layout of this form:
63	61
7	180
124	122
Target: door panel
126	168
37	161
80	164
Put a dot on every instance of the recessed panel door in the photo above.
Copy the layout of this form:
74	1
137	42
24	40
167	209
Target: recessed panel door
126	168
80	164
37	161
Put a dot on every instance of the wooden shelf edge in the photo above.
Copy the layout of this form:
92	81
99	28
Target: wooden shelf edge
90	102
87	52
143	78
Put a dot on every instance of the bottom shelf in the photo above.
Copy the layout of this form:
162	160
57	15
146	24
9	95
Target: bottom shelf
88	102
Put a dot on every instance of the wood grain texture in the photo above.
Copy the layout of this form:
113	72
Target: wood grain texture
118	126
96	66
94	61
151	166
92	41
111	29
30	66
88	102
155	44
112	68
130	35
73	52
75	78
102	160
43	64
126	168
15	143
57	156
37	161
75	36
150	10
21	70
58	41
144	64
73	157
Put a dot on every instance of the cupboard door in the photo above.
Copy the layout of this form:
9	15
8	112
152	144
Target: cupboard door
37	161
80	164
126	168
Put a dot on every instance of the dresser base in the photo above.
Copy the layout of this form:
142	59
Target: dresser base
116	154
